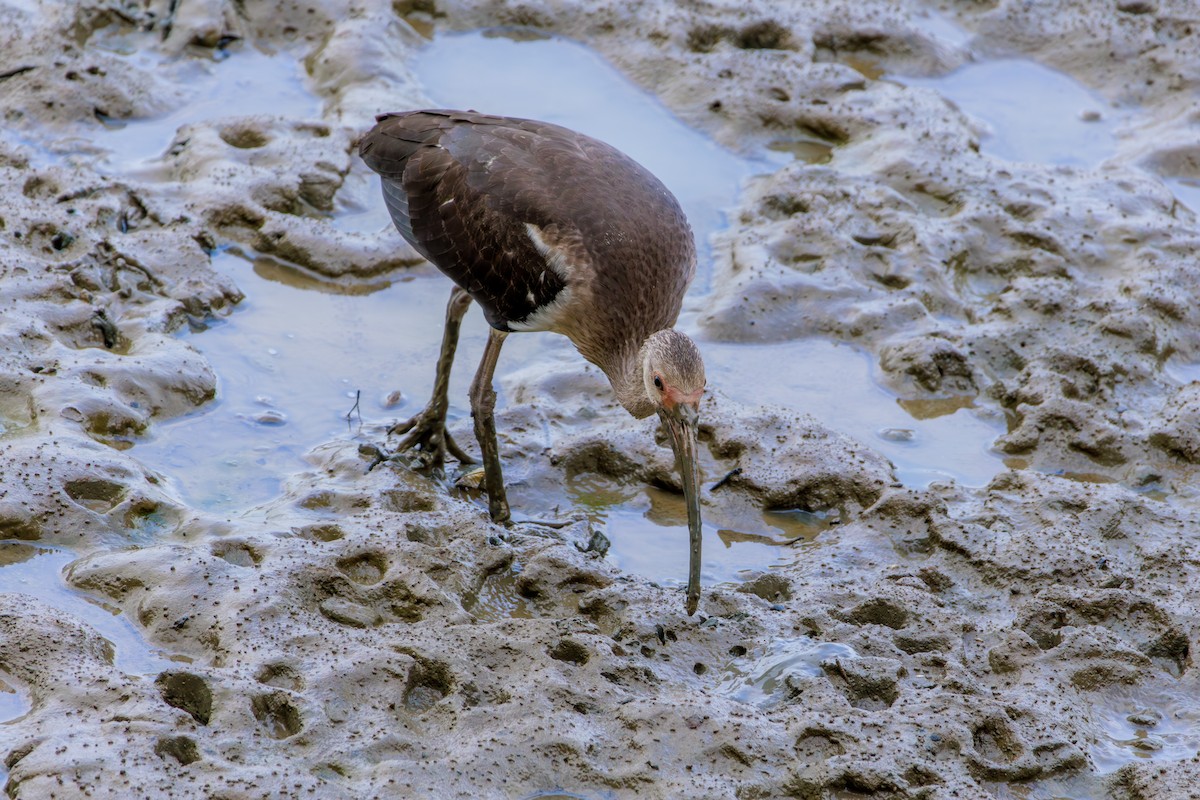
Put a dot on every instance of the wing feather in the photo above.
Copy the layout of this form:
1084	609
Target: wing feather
464	189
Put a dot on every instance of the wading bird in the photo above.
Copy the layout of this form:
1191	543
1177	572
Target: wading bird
547	230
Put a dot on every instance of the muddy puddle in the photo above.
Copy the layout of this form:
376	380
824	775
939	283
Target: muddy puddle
292	360
232	82
643	531
1030	112
1146	725
762	679
39	571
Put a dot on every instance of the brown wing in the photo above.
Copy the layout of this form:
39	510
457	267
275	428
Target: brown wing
464	189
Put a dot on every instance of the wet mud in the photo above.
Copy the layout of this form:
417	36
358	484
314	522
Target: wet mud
244	610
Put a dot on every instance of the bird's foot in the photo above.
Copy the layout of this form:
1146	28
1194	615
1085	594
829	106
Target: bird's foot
427	442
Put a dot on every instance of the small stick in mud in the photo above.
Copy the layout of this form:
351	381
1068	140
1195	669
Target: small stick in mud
355	407
733	473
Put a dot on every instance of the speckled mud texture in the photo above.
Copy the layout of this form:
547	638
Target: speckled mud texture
372	634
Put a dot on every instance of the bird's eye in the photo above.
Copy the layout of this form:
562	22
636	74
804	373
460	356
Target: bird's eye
658	383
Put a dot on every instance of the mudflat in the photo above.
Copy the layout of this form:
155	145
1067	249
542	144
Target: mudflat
371	634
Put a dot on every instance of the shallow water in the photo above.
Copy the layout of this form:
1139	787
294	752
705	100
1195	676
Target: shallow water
37	571
1075	788
13	702
232	84
1182	371
1031	112
761	680
949	440
1145	723
290	361
1187	190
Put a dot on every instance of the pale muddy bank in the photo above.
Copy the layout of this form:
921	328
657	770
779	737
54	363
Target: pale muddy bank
371	634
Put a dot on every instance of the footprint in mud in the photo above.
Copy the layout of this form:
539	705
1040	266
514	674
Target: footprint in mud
181	748
187	692
277	714
869	683
95	494
879	611
240	554
350	614
281	676
571	651
321	532
429	681
995	741
365	569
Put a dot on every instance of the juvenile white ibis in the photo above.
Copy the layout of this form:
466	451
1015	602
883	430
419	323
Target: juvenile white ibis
547	230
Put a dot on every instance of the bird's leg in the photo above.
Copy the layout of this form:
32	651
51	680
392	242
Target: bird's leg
427	430
483	408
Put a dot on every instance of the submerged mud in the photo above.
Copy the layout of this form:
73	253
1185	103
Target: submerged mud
372	634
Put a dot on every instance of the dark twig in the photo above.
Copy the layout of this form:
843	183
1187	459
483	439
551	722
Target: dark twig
355	407
733	473
12	73
380	456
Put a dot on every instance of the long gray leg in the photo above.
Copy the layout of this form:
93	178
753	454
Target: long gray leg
427	430
483	408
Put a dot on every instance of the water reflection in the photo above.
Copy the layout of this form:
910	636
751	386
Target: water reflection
647	531
290	361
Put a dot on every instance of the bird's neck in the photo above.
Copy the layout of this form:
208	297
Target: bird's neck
624	371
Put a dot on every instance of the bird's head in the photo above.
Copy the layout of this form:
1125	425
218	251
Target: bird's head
673	372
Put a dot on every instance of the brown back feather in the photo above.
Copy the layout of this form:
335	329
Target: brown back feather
462	186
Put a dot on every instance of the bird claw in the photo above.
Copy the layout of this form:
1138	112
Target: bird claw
428	440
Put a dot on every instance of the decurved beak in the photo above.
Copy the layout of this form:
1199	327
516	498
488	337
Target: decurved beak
681	421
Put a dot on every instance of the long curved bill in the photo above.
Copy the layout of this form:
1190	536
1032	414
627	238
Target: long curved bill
681	423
